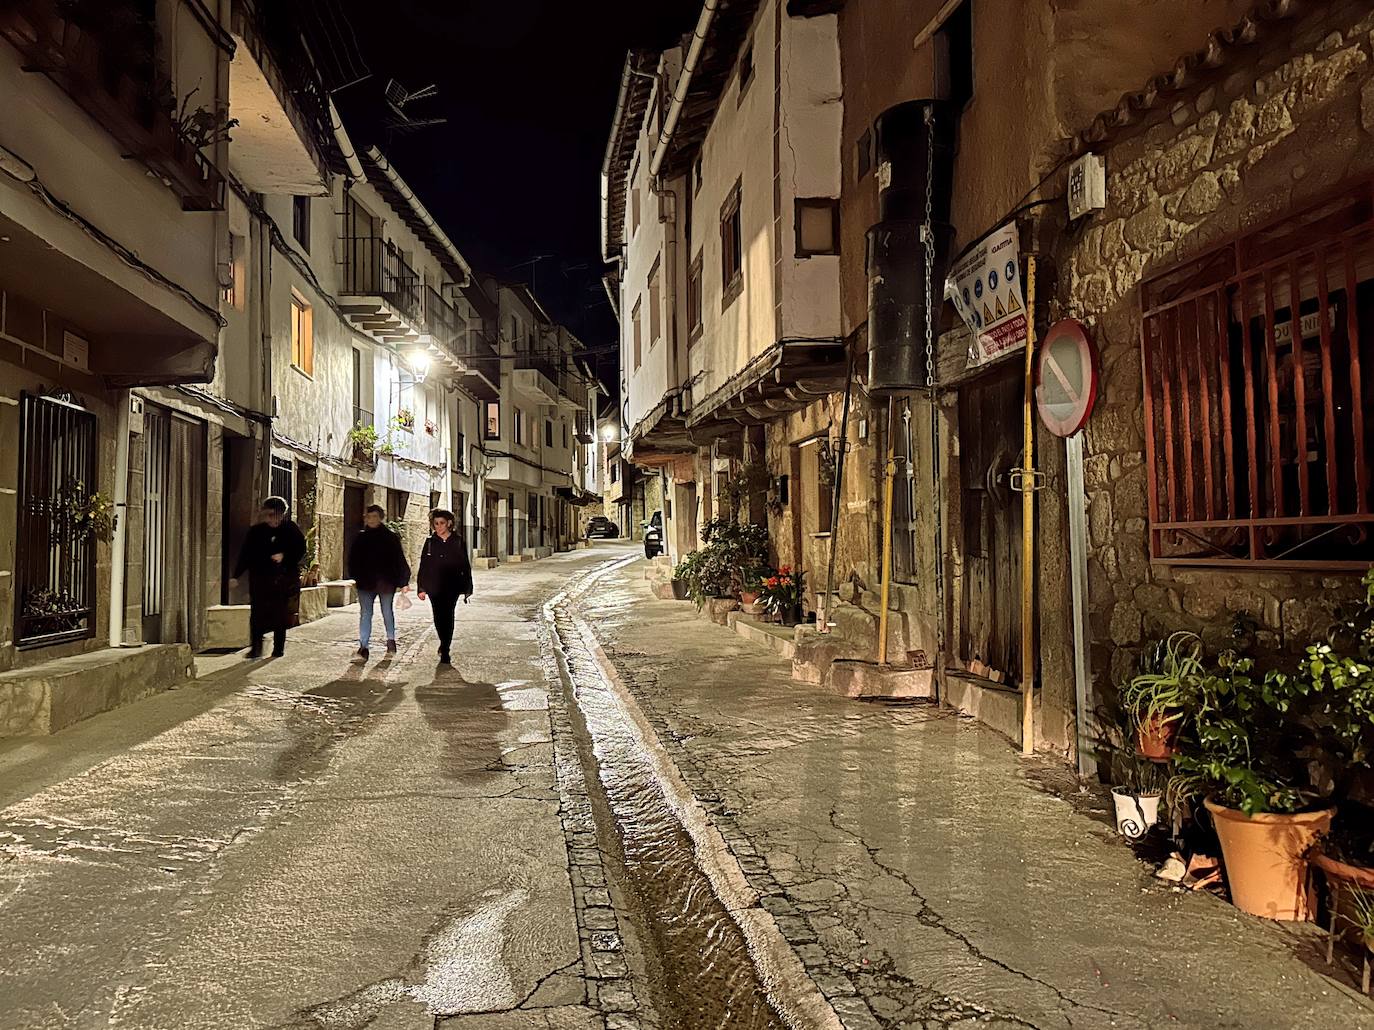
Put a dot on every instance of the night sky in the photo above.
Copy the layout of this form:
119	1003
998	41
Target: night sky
528	89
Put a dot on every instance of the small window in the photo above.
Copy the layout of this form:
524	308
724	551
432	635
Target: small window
548	432
493	420
694	296
302	335
696	174
300	221
565	435
731	248
746	69
818	226
634	210
638	336
235	293
655	312
519	425
863	152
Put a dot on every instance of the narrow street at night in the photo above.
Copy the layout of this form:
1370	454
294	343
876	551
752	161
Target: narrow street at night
686	515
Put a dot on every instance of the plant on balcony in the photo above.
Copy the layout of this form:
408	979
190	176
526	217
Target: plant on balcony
431	427
405	419
364	440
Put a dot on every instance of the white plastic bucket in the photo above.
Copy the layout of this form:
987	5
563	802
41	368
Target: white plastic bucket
1135	813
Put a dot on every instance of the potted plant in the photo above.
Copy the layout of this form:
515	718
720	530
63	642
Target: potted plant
1362	918
405	419
1158	698
752	575
1245	755
782	595
1137	799
430	427
363	439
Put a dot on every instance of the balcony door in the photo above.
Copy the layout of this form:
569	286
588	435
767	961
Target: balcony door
362	250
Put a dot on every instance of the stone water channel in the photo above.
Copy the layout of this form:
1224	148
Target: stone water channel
701	964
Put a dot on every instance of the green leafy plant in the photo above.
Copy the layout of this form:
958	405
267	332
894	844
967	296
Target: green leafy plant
705	573
1362	915
1163	692
77	512
49	611
363	438
404	420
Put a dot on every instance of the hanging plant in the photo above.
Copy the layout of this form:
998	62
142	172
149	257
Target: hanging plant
405	419
78	513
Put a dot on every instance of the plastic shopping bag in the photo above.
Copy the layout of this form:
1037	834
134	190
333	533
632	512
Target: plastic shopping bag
403	602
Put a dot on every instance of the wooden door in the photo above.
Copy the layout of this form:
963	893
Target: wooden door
990	437
354	501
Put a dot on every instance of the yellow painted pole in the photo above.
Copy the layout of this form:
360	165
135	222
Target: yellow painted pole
1028	527
887	533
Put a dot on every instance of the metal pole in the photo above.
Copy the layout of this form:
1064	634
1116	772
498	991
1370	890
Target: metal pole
887	533
1028	527
1078	581
838	496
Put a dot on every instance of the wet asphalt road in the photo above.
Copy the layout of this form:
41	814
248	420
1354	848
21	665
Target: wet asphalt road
305	842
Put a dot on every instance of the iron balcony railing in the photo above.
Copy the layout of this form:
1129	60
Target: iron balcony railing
441	320
374	267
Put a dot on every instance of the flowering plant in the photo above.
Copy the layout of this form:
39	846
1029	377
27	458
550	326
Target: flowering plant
782	592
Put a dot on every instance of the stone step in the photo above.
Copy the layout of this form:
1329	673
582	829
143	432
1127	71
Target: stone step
780	639
485	562
340	592
226	625
988	702
47	697
851	677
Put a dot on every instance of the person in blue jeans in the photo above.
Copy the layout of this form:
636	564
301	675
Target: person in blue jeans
378	567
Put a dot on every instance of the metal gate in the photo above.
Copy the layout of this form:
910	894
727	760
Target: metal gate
55	556
157	440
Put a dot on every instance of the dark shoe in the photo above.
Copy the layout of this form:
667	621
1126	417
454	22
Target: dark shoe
278	654
391	647
362	654
254	653
444	659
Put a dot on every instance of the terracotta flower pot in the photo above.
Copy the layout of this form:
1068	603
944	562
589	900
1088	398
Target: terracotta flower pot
1156	737
1265	859
748	597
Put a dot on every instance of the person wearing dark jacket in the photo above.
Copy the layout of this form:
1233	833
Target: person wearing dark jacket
271	555
378	567
445	575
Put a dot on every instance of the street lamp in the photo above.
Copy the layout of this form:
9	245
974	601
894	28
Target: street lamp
610	434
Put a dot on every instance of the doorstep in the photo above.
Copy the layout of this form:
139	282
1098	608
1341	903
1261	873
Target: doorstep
990	703
340	592
44	698
485	562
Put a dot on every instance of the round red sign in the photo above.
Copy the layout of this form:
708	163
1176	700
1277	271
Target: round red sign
1066	376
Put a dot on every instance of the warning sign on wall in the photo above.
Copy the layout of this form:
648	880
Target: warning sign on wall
985	286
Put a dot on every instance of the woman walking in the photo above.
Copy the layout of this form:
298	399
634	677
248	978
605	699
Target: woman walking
377	565
445	575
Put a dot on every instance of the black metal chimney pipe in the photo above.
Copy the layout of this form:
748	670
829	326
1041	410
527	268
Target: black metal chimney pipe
898	307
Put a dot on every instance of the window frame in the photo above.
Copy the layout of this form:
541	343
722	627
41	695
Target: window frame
696	302
518	427
745	70
300	221
487	433
732	245
637	334
831	204
302	335
655	304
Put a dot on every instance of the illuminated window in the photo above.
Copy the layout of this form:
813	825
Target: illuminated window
302	335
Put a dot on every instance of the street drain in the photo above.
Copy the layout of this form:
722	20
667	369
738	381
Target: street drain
709	976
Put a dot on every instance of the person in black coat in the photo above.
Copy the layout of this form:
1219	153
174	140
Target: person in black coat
271	555
378	567
445	575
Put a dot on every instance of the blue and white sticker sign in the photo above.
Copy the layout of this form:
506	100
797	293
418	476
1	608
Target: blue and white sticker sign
985	286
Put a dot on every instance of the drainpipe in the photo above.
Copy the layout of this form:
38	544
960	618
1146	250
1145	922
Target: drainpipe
350	156
1028	526
684	84
121	506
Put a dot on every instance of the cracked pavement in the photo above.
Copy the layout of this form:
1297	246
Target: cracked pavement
918	873
306	843
310	844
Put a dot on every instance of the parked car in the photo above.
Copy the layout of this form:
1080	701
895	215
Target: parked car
653	535
600	526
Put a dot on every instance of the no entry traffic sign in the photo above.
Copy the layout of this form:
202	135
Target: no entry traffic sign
1066	377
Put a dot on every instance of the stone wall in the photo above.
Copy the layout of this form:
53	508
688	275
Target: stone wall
1247	148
